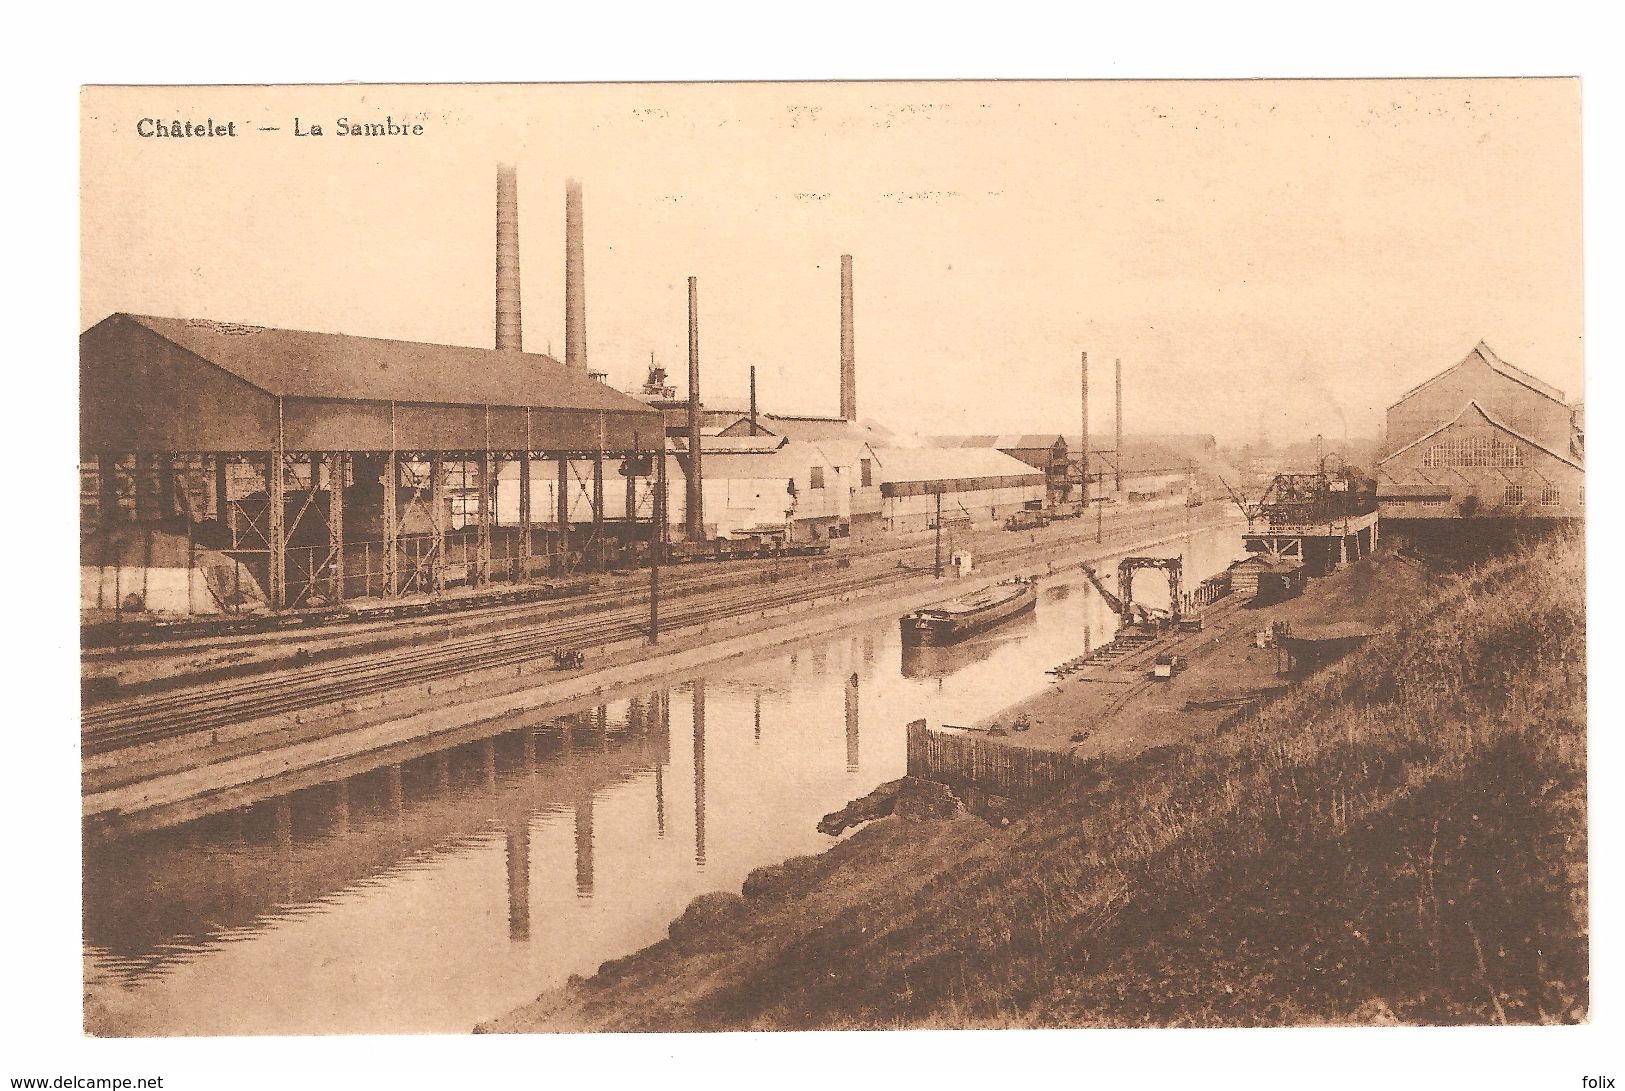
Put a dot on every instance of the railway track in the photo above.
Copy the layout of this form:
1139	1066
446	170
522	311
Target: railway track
169	715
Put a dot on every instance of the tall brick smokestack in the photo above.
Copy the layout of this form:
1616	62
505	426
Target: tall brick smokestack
1118	477
849	367
510	332
1083	455
575	281
695	524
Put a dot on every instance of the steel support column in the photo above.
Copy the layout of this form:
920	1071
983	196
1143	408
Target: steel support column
437	522
336	474
562	502
392	525
598	504
632	492
482	573
524	514
276	533
164	466
222	488
106	490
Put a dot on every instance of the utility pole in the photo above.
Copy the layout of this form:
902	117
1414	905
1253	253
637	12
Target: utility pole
1100	508
936	563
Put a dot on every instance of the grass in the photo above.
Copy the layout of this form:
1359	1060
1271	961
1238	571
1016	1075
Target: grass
1401	839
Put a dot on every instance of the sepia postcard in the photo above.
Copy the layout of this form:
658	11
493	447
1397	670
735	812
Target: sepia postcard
672	557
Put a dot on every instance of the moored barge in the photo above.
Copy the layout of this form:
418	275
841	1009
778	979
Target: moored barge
958	618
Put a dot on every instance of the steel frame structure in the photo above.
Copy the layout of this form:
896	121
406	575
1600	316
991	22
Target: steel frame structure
282	507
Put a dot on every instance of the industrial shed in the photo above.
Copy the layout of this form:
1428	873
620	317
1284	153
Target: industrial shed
305	455
975	483
1044	451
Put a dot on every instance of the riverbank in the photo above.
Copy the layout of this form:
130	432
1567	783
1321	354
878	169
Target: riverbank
1402	838
1123	711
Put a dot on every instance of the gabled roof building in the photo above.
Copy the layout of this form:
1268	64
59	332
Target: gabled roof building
1482	439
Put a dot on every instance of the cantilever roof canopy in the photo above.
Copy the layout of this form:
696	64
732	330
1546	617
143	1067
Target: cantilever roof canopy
184	385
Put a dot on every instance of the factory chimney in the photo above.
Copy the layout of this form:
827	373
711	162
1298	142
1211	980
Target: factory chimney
695	523
510	333
753	399
1119	476
575	282
849	367
1083	455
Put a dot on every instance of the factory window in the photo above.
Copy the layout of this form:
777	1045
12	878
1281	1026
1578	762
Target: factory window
1473	452
465	511
1514	494
866	469
1550	495
816	477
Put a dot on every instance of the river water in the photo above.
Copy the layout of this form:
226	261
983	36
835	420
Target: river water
429	895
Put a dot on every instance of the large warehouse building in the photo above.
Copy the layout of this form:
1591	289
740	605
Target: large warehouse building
330	466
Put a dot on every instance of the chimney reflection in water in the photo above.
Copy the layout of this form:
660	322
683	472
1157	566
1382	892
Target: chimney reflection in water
699	772
852	723
662	755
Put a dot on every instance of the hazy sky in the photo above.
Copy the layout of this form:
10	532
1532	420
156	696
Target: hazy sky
1281	256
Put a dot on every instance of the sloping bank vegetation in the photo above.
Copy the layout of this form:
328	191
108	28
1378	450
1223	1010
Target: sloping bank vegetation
1402	838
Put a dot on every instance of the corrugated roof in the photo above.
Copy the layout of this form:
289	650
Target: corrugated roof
1008	441
819	428
302	364
790	460
948	463
731	444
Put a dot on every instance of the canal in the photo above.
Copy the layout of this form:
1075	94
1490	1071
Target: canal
428	895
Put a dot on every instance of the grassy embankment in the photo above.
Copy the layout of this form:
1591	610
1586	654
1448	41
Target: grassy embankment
1402	838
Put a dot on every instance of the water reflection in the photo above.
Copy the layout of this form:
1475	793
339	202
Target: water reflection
436	890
